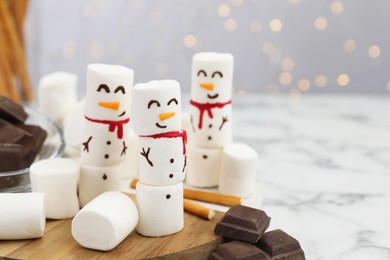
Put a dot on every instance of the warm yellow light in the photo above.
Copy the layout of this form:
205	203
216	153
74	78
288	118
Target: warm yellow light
374	51
223	10
343	80
294	94
275	25
303	84
337	7
285	78
287	64
320	23
230	25
349	45
321	81
255	26
237	2
189	41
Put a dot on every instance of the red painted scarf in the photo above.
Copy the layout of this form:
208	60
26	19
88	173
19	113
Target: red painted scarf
112	125
173	134
207	107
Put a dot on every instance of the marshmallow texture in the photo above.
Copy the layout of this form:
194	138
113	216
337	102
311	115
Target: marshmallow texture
105	222
96	180
131	158
108	95
100	147
22	215
57	178
161	160
156	107
211	128
57	94
160	209
238	170
212	77
75	117
203	166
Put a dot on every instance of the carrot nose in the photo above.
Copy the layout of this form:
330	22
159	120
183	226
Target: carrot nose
165	116
110	105
209	86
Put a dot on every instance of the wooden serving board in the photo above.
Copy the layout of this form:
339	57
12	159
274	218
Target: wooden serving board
196	241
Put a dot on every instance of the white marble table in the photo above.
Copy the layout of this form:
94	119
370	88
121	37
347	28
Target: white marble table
324	170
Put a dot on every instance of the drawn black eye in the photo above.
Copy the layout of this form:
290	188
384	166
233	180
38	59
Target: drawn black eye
174	100
217	73
120	88
104	87
151	102
202	72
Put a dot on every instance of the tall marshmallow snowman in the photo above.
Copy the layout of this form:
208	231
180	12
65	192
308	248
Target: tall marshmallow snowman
107	114
210	116
162	157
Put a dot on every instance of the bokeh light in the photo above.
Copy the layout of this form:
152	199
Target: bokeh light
349	45
343	80
223	10
275	25
287	64
337	7
189	41
320	23
285	78
303	84
321	81
374	51
230	25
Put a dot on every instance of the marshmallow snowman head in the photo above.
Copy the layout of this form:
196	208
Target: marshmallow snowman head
108	94
212	76
156	107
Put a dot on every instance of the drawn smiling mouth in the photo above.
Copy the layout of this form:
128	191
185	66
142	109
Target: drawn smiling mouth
161	126
123	113
212	96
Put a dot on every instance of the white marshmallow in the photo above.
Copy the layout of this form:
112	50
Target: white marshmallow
131	158
108	95
152	103
160	209
100	147
105	222
75	117
203	166
187	125
238	170
161	160
22	215
57	178
212	77
213	132
96	180
57	94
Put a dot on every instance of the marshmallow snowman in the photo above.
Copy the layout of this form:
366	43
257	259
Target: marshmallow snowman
107	109
162	157
211	92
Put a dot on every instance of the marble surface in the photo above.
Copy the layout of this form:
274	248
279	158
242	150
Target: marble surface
324	170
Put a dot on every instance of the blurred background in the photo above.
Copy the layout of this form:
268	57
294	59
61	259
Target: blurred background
281	47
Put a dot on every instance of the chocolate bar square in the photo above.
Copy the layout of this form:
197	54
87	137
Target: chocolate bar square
11	158
279	245
11	111
243	223
237	250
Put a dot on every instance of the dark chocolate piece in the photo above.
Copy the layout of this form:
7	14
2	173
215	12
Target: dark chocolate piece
11	111
11	158
280	245
243	223
237	250
37	132
11	134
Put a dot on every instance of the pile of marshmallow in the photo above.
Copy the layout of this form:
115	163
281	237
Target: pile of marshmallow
103	149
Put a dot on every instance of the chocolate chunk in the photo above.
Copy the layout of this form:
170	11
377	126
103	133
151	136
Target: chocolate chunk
243	223
237	250
11	158
38	133
11	111
11	134
280	245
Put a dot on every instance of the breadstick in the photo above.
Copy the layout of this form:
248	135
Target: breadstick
198	210
205	196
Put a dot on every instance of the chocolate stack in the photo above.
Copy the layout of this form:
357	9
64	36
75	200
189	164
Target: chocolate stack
244	228
19	142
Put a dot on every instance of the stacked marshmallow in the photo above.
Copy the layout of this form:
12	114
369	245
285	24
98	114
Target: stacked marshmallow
107	114
162	158
210	116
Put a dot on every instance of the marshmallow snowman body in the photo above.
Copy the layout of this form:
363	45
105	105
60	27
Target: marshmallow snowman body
165	163
160	209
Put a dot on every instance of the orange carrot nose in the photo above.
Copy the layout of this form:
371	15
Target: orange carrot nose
110	105
165	116
209	86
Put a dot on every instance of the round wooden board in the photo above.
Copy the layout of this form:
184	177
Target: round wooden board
196	241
